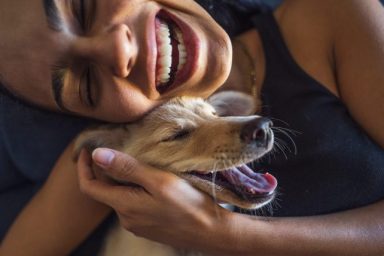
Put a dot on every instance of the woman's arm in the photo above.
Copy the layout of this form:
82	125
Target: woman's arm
57	219
341	44
171	211
359	55
357	232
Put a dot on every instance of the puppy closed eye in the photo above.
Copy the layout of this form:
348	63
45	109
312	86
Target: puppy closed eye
178	135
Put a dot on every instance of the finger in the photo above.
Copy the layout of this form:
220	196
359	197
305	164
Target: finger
84	163
125	168
112	195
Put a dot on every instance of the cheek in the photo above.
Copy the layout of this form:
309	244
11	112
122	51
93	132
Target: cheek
124	105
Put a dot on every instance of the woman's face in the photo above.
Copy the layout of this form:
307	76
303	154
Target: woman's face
111	59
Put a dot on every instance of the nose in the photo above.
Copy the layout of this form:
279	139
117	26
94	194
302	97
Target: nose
257	131
114	48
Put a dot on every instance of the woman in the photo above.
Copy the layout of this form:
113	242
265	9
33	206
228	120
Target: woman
112	49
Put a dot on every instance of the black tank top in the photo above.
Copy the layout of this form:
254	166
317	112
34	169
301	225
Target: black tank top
337	166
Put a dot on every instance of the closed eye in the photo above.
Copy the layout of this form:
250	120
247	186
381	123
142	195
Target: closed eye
85	90
179	135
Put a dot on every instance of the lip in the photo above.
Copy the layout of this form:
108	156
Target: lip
192	45
151	50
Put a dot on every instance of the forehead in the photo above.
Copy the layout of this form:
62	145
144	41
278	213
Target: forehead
187	108
188	105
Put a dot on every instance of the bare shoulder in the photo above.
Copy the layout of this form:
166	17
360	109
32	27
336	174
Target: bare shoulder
350	33
308	36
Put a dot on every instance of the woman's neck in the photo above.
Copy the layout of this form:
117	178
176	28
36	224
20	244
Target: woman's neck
248	66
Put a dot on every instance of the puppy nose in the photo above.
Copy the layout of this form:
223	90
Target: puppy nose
257	131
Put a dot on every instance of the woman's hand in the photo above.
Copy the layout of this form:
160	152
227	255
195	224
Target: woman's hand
167	209
163	208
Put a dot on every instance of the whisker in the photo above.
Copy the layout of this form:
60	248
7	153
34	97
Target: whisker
281	149
272	154
288	136
283	145
213	184
280	120
289	130
214	191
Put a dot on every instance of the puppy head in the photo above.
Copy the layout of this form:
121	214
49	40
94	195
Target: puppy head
169	118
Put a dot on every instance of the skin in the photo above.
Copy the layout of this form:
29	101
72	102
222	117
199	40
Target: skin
322	47
114	47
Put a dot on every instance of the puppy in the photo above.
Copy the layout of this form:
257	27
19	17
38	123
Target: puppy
203	143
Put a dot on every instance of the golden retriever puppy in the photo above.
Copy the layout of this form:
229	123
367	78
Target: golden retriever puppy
208	143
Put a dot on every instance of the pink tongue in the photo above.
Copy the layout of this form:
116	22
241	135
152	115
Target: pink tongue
245	179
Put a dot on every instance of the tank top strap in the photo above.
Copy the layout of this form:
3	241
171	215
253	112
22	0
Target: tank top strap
284	78
278	58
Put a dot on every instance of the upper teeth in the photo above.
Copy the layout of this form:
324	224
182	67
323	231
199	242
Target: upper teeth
165	52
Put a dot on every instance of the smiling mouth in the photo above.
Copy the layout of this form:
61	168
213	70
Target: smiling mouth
177	48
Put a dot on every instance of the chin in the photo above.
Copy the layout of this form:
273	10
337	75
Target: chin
222	63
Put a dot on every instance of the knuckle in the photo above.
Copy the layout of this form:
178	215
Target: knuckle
126	210
122	210
163	187
131	227
82	188
135	231
126	167
126	225
124	221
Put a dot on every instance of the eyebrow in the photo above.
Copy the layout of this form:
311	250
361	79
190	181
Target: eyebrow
55	23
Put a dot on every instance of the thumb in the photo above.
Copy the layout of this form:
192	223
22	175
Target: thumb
123	167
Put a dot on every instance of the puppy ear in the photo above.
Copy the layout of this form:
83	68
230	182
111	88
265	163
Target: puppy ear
99	137
234	103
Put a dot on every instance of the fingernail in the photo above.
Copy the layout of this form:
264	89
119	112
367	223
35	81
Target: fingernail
103	156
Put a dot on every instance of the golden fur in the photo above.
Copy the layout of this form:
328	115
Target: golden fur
189	134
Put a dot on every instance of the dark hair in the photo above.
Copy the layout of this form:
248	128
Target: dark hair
234	15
